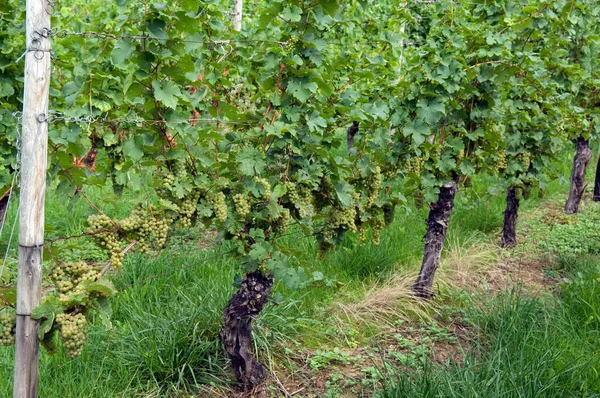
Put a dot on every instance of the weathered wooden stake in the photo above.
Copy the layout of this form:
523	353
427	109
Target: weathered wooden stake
33	186
237	15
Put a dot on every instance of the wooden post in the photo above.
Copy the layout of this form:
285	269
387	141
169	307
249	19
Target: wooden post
33	187
237	15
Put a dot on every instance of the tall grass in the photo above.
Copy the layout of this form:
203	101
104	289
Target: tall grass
527	347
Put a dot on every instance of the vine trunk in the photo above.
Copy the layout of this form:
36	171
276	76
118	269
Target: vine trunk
597	181
509	231
437	227
582	157
245	304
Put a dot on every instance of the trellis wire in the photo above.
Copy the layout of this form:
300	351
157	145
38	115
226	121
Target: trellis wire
14	183
62	33
56	116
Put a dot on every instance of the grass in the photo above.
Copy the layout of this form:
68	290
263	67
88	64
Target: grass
166	319
527	347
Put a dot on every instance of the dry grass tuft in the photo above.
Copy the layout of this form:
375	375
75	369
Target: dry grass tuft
468	264
464	266
386	303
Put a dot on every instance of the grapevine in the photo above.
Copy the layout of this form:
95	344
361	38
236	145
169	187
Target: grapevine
8	326
73	330
70	278
242	205
217	202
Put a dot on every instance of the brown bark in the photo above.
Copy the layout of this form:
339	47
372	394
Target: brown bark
245	304
580	162
352	130
597	181
509	231
437	227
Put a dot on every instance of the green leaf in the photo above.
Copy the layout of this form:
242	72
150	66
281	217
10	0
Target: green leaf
102	286
8	295
292	14
167	93
301	91
122	51
279	191
417	130
315	122
157	29
133	148
250	161
344	192
47	309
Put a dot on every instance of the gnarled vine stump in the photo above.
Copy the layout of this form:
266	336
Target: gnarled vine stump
245	304
437	227
509	231
580	162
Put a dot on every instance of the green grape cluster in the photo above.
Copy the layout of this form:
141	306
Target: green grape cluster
300	196
267	187
373	187
362	234
68	278
218	204
187	208
501	163
525	160
105	233
283	221
414	165
263	269
73	330
339	219
180	170
242	205
8	327
152	228
377	225
168	180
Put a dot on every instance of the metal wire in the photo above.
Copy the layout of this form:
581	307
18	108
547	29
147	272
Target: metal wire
55	116
14	183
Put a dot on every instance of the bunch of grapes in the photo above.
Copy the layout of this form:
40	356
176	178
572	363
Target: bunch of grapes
105	233
187	208
180	170
152	228
377	224
283	221
501	163
525	160
339	219
8	327
218	204
266	187
373	187
416	165
69	276
300	196
436	152
242	205
73	330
